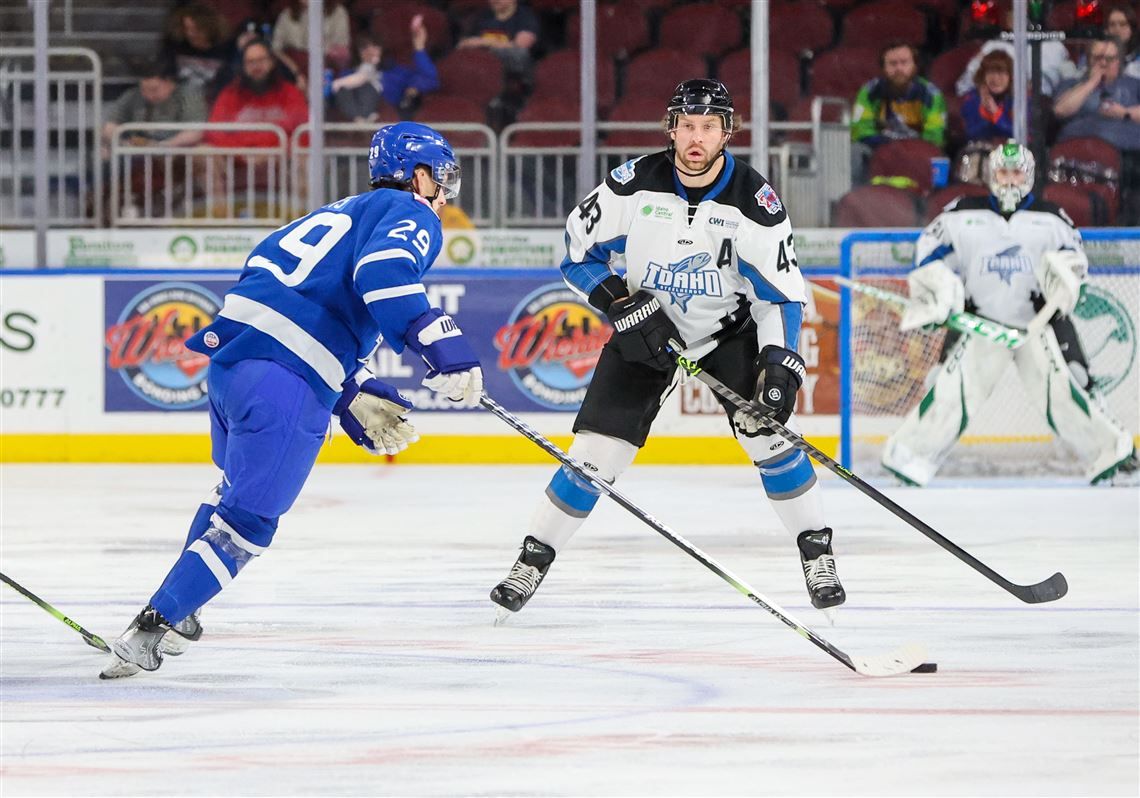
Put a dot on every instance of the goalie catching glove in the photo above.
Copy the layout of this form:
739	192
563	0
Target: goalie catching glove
641	331
1060	274
781	375
453	368
372	413
935	294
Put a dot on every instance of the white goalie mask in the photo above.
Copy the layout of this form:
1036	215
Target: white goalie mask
1009	171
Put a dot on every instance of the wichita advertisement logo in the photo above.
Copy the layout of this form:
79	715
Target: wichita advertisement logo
550	345
146	345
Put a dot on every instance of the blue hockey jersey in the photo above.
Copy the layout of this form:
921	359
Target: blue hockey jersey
317	294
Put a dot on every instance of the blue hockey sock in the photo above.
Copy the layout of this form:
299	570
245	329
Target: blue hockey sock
570	493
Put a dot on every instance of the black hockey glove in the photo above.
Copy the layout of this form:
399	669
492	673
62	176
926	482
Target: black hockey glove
641	330
781	375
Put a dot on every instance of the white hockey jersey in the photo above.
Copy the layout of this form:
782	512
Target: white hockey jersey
995	256
736	248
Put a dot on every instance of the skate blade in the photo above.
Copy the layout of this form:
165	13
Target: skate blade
502	615
831	614
118	668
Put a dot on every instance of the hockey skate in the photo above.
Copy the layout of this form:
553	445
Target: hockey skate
1126	473
819	570
526	575
186	631
138	647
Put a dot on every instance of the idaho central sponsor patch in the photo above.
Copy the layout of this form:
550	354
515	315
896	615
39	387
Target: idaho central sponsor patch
766	198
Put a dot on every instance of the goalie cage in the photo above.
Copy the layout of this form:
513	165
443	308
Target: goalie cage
884	371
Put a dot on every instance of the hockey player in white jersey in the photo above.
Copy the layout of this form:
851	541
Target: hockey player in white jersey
1006	256
708	249
285	355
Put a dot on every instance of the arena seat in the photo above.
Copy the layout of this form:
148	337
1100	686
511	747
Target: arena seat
909	158
639	109
945	69
657	72
876	206
449	107
799	25
1087	148
842	71
735	72
392	19
882	21
474	73
1077	202
558	74
938	199
704	28
549	108
623	29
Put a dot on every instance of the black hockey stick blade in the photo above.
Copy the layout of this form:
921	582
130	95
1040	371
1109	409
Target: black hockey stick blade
903	660
90	639
1051	589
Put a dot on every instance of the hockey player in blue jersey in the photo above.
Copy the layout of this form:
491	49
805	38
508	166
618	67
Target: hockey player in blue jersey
286	354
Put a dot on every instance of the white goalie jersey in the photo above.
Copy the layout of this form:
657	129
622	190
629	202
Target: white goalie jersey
998	259
701	263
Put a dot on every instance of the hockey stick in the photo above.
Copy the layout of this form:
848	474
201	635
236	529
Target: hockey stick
1009	337
900	661
1051	589
92	640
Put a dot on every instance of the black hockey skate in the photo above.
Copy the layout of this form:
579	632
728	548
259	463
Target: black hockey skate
526	575
819	569
138	647
183	633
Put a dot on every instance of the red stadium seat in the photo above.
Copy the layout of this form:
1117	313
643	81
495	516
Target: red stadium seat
623	29
909	158
558	74
392	19
947	67
937	201
444	108
882	21
735	72
842	71
549	108
554	6
877	206
474	73
801	112
657	72
798	25
703	28
639	109
237	11
1087	149
1062	16
1077	202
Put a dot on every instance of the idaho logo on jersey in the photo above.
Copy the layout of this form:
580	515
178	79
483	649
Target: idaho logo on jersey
1007	263
624	173
146	346
766	198
550	345
684	280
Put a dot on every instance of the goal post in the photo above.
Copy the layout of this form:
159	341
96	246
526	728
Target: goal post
883	372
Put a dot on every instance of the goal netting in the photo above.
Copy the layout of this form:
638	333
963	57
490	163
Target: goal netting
885	372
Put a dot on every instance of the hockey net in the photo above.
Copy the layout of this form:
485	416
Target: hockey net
886	371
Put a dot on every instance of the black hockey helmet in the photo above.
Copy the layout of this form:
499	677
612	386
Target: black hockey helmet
701	96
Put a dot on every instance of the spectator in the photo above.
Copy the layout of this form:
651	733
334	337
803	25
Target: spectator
988	109
896	105
358	93
158	98
291	34
1120	24
1105	104
198	40
510	31
1056	66
259	94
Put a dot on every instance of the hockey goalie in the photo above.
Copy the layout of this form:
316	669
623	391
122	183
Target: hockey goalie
1009	256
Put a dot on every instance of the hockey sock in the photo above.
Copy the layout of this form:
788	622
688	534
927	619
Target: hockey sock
790	482
210	563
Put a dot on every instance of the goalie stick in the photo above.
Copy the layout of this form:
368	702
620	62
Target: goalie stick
901	660
90	639
1050	589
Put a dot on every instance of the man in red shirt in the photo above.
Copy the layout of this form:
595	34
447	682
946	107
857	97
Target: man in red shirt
259	94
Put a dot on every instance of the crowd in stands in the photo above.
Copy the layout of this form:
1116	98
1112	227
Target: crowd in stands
927	80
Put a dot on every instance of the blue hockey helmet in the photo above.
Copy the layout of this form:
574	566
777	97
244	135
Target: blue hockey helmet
399	148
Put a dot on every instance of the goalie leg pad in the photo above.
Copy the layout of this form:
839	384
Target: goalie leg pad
570	498
1077	418
964	382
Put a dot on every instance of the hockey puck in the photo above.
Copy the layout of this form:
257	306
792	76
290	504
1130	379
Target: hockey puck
926	667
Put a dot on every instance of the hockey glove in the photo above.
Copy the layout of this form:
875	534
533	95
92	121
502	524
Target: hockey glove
372	413
453	368
935	293
781	375
641	330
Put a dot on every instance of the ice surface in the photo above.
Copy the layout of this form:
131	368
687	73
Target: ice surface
358	655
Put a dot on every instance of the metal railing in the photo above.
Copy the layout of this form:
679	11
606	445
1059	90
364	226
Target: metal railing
346	169
158	185
75	77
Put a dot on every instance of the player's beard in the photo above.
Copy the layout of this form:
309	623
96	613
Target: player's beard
695	166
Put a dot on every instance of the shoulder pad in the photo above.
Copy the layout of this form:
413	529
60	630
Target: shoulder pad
970	204
647	173
750	192
1045	206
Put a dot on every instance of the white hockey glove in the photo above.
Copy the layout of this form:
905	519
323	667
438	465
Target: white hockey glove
935	293
1060	274
372	413
453	368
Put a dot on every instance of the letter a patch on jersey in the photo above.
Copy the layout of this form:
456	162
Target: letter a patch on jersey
766	198
684	280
